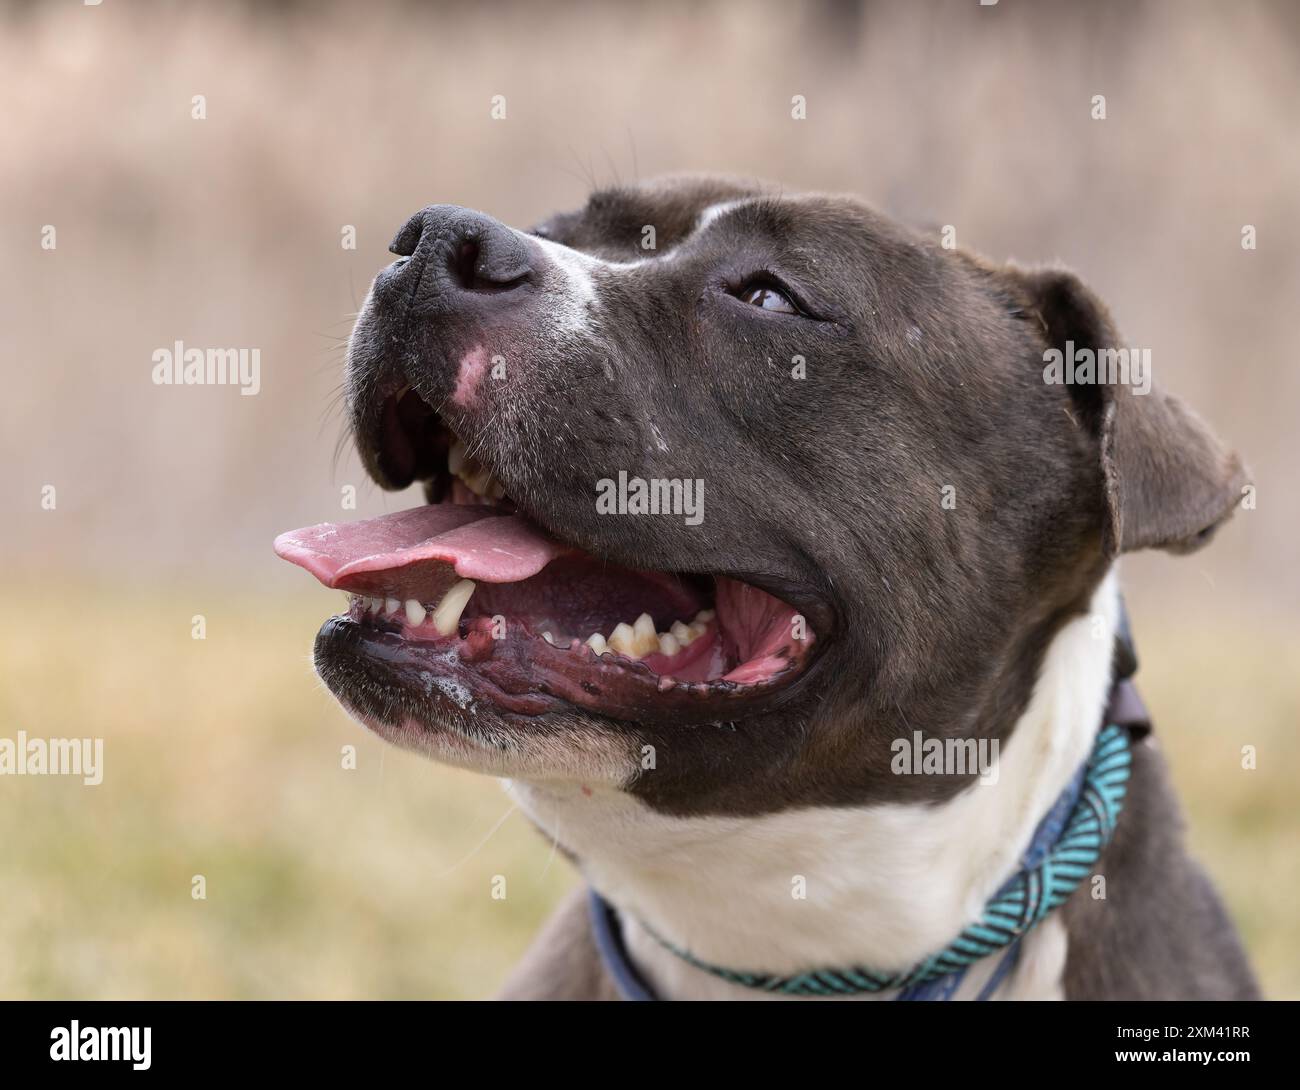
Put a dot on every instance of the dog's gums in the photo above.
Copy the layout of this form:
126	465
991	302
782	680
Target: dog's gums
467	599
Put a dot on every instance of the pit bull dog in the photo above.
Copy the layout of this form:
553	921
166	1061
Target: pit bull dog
733	497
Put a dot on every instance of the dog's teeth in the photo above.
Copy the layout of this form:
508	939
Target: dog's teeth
623	640
392	605
374	605
687	634
415	613
550	638
597	643
447	615
635	640
478	479
473	476
486	485
668	644
456	458
647	639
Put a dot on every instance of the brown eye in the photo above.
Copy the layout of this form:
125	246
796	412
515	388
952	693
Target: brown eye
767	297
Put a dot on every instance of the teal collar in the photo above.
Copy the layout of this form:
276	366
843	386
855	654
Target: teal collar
1066	844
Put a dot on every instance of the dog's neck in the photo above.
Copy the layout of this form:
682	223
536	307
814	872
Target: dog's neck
884	886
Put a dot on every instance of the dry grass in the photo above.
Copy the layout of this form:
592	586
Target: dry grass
1215	687
223	758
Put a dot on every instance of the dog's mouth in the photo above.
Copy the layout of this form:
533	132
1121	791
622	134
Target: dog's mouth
466	599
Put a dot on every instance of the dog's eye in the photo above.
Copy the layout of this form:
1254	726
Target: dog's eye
768	297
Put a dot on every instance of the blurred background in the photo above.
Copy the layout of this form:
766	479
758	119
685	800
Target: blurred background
222	755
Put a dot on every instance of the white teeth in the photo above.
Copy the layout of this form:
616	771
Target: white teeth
623	640
639	639
473	476
646	638
644	628
447	615
634	641
687	634
483	483
456	458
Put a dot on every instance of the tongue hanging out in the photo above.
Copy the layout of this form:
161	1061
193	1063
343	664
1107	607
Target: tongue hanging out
466	578
419	553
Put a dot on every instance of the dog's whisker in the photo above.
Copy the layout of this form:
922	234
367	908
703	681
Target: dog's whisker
482	843
555	844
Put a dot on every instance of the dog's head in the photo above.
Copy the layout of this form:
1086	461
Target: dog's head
727	489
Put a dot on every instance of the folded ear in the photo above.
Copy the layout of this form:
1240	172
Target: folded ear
1169	482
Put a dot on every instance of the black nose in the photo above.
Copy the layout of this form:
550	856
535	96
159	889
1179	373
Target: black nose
454	257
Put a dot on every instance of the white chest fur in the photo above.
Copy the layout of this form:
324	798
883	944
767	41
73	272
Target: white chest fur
882	886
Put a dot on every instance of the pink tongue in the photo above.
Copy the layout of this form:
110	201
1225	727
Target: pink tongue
420	552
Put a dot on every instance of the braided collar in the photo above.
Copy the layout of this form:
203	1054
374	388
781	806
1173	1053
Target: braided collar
1066	844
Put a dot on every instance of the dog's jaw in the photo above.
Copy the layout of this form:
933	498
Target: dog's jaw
886	885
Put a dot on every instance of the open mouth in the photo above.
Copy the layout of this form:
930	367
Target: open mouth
466	599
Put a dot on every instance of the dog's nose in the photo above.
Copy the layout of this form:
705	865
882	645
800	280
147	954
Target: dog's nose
454	255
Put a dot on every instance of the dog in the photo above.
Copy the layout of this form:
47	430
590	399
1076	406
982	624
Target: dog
907	534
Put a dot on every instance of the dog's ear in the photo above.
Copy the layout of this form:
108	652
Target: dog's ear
1169	483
